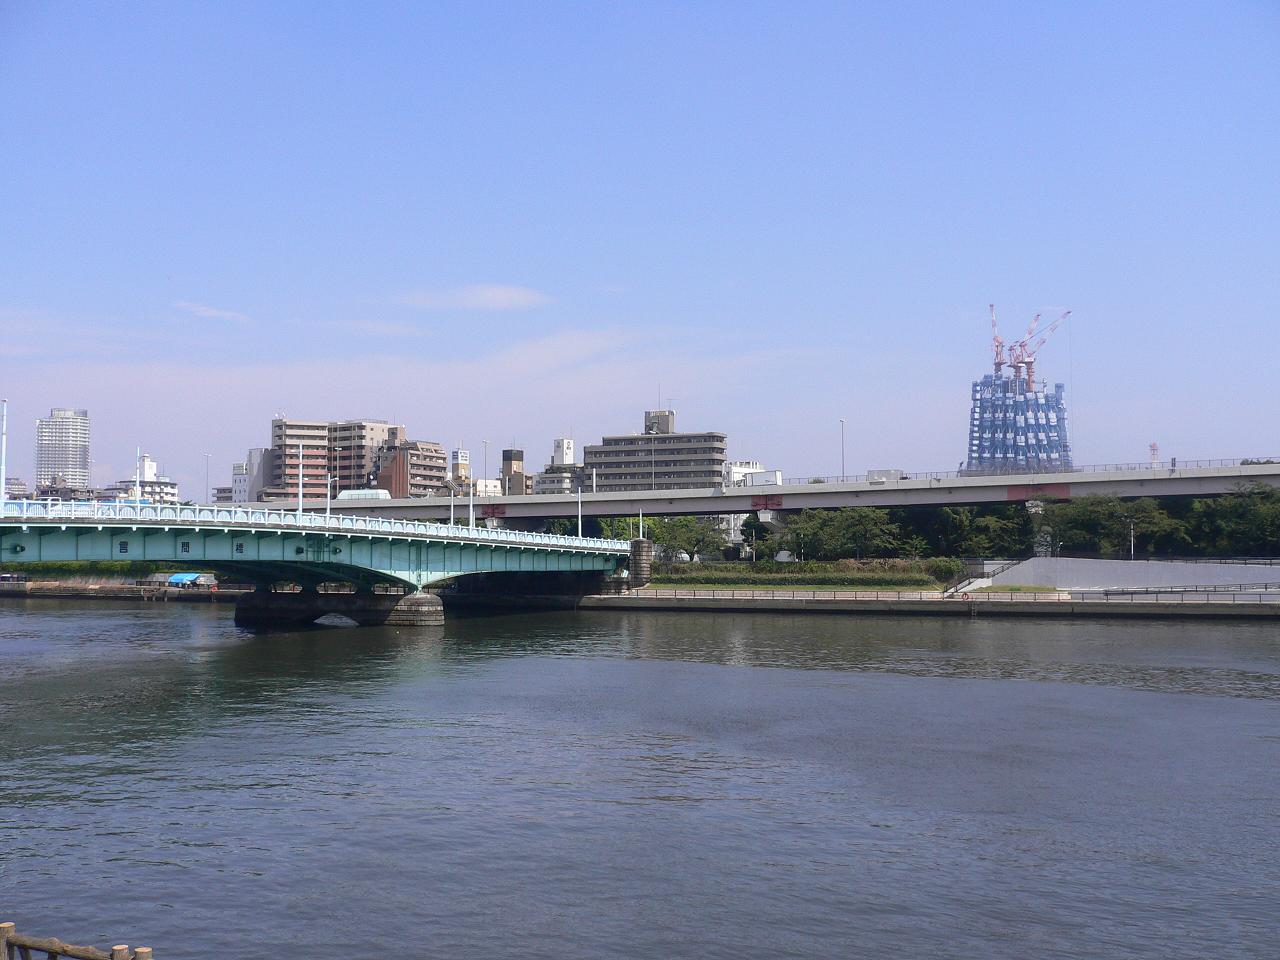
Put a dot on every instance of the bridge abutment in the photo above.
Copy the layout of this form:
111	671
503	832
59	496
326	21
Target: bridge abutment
266	608
641	563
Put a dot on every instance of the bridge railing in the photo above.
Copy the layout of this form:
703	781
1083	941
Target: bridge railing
1166	465
251	516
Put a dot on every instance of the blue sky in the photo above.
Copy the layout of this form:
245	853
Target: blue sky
510	221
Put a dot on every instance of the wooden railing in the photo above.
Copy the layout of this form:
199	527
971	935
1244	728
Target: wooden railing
19	946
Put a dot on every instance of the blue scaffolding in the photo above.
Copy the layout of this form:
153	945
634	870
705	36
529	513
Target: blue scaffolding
1013	429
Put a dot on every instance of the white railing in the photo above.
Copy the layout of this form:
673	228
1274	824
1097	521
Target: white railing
250	516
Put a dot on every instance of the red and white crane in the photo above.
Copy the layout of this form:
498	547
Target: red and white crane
1021	355
997	342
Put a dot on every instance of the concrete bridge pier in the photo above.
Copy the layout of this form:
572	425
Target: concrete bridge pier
267	608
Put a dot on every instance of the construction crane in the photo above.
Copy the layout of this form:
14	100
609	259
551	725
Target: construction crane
997	342
1022	356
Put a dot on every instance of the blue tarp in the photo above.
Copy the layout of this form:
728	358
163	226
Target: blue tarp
181	578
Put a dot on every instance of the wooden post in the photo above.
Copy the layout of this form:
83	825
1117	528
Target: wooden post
142	953
6	930
120	952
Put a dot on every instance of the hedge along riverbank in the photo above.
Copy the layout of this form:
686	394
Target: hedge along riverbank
744	579
942	569
90	570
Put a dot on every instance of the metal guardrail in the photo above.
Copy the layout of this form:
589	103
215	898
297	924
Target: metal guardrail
1198	588
93	510
1148	467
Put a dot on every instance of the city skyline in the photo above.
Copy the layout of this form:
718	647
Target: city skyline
530	224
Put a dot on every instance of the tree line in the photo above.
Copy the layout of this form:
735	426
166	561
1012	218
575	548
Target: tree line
1245	523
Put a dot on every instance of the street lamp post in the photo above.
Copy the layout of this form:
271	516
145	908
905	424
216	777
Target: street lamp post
842	450
207	457
4	452
299	483
486	458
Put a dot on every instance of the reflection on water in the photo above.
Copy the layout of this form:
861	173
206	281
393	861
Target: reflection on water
640	785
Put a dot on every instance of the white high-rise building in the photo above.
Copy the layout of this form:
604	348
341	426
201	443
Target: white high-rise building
62	448
562	454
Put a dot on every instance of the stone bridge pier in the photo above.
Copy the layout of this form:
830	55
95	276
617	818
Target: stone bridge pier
268	608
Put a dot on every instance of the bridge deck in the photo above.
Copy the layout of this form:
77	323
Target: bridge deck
267	546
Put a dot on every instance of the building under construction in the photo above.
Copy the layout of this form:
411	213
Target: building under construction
1017	425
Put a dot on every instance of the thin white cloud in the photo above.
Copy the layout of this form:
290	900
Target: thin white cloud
376	328
210	313
484	296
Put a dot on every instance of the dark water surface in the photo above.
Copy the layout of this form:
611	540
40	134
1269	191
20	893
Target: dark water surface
640	785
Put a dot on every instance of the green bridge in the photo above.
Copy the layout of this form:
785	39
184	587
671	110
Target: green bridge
269	548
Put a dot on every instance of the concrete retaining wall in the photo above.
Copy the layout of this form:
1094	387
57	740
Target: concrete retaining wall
1067	573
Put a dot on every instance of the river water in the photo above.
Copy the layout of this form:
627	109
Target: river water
640	785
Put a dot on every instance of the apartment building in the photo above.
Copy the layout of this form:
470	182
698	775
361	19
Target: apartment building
658	459
412	468
148	484
62	448
515	481
250	476
299	448
354	450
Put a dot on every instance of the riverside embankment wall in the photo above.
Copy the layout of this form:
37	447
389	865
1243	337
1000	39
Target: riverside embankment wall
1068	573
940	608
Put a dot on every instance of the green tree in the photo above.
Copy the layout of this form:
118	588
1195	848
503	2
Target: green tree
1101	525
1245	523
696	536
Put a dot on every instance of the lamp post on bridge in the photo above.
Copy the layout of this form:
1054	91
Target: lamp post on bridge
299	483
207	457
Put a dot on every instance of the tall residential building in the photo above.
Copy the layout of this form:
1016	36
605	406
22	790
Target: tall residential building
412	468
658	459
62	448
287	437
354	449
351	453
1014	428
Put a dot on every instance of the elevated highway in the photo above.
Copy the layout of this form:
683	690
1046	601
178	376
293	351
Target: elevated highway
1197	478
